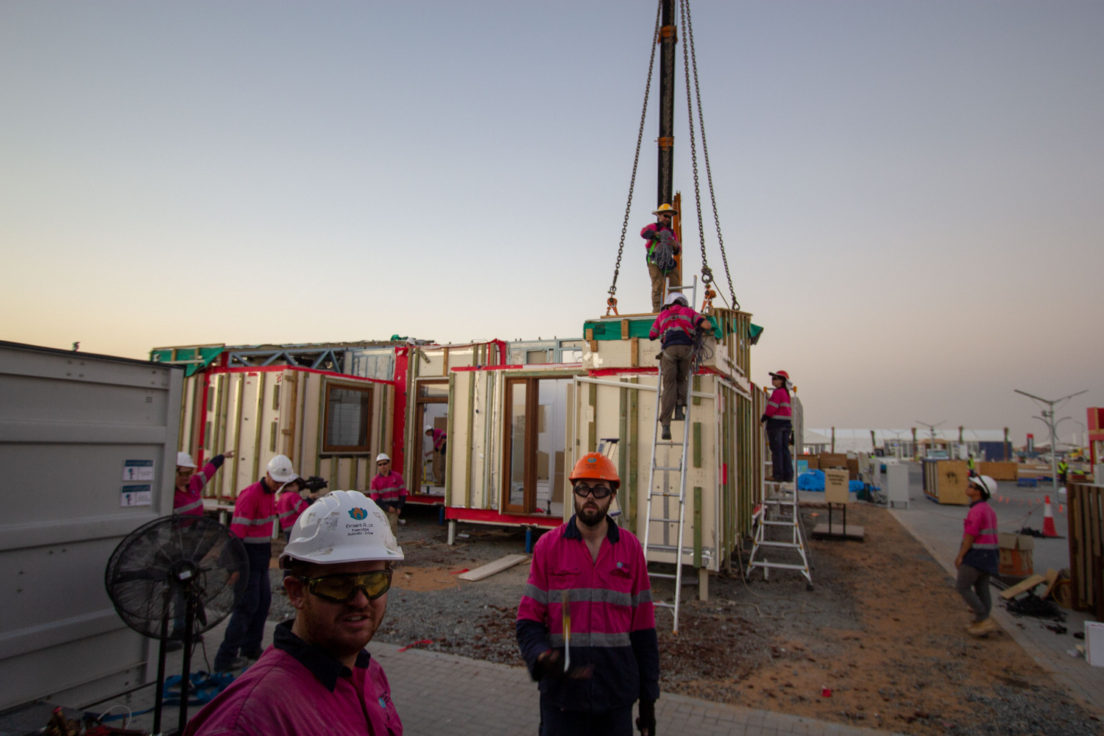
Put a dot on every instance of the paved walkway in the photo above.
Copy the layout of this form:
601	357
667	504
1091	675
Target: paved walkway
475	698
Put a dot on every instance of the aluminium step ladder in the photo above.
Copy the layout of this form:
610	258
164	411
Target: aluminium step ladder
779	510
666	501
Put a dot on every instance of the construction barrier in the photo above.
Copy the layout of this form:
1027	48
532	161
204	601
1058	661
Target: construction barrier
1086	526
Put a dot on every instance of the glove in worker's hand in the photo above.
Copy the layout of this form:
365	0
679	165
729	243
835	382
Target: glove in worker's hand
550	664
646	721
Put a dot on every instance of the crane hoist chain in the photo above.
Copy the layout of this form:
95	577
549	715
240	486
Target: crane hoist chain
611	303
690	61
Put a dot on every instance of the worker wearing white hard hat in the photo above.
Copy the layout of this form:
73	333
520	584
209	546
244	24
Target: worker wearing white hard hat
317	677
388	490
677	328
188	494
978	555
255	516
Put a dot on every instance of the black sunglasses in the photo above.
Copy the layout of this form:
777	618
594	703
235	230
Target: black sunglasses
600	492
343	588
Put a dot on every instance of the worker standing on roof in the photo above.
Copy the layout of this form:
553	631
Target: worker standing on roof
593	573
254	516
317	678
978	555
779	419
662	247
388	490
188	497
676	325
436	453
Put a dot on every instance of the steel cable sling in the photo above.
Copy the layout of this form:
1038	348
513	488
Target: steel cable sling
611	303
689	58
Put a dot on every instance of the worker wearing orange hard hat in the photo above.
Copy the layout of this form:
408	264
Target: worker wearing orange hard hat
590	571
779	420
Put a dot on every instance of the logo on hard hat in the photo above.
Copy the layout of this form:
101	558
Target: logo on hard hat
592	459
358	513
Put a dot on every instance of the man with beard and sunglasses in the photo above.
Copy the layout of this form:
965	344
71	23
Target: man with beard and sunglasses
317	677
586	622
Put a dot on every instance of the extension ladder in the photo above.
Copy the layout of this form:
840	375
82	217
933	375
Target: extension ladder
666	502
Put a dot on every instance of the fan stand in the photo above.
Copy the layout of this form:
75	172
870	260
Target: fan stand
184	575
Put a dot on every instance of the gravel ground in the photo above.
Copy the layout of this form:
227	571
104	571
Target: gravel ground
880	633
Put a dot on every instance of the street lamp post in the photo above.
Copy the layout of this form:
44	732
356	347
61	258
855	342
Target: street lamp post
1048	419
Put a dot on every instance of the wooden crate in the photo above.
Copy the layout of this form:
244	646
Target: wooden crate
945	481
998	470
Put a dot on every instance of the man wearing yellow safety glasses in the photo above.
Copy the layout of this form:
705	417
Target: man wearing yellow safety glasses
317	677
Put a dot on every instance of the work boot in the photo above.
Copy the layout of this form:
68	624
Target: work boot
983	627
680	413
666	432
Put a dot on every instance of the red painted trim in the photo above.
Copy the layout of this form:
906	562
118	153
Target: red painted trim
425	499
616	371
198	417
490	516
398	416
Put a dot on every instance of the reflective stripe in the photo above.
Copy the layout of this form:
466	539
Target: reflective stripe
532	591
252	522
592	639
975	545
187	507
257	540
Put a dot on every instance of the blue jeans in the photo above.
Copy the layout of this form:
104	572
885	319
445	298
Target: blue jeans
246	627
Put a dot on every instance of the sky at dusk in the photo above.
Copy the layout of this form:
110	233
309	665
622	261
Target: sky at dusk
910	192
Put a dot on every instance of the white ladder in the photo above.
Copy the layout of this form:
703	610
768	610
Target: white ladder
661	499
778	509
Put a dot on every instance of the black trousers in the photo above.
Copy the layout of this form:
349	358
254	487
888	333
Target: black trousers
778	436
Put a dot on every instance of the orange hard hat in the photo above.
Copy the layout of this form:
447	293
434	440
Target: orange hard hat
595	466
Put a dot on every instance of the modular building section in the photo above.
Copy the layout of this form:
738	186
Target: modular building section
516	431
89	442
330	424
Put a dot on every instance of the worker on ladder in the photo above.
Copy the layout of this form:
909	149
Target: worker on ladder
662	246
779	419
676	326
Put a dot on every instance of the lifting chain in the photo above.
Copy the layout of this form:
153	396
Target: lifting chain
690	60
611	303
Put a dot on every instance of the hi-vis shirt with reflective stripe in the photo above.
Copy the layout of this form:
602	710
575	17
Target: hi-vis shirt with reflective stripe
254	514
388	487
676	325
778	406
289	506
981	524
190	501
612	618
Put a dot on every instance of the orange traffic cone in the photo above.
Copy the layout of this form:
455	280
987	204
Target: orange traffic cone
1048	521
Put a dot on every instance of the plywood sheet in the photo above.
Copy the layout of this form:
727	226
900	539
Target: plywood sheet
493	568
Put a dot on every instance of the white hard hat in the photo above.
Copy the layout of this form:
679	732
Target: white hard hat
675	296
344	526
985	484
383	456
184	460
428	428
280	469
